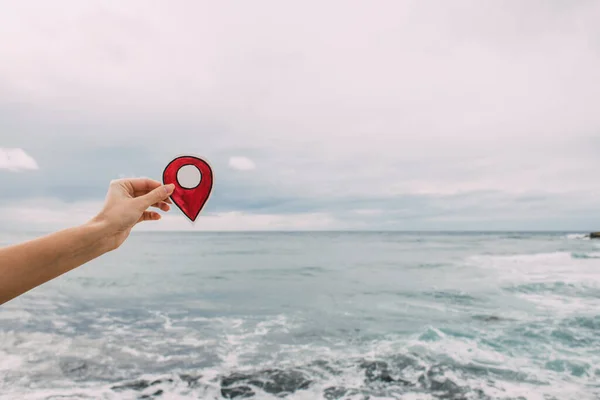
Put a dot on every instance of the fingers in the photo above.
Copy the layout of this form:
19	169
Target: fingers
139	186
162	205
149	216
156	196
143	192
142	184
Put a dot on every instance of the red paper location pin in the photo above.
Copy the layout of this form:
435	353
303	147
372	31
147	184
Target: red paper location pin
193	181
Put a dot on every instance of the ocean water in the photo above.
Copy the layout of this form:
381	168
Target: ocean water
313	316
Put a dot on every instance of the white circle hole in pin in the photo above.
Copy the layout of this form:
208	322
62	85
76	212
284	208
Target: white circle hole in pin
189	176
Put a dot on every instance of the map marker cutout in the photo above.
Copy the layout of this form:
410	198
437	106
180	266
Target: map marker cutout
193	180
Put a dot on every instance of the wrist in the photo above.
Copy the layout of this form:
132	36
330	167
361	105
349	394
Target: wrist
104	232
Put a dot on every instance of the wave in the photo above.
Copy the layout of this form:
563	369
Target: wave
571	289
578	236
585	256
399	376
557	257
507	259
435	364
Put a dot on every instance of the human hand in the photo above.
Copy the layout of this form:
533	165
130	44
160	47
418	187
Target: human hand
126	205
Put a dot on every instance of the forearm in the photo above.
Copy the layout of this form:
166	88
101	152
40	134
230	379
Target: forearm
27	265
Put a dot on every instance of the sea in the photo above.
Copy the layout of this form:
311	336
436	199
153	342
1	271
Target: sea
313	315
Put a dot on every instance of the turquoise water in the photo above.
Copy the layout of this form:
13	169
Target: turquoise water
313	316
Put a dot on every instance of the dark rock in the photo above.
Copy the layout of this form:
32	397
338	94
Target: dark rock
191	380
378	371
445	385
234	378
595	235
140	385
155	394
334	393
279	382
135	385
238	391
158	381
273	381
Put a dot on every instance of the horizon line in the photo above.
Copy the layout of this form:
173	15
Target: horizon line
368	231
408	231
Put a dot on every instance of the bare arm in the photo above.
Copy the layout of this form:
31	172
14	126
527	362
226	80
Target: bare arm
26	265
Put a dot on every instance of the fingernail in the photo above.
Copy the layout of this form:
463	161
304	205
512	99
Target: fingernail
169	188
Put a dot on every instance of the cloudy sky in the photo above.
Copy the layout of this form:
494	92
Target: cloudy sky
314	115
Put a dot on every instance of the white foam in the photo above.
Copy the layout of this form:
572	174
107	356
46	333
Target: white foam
445	349
578	236
470	352
554	267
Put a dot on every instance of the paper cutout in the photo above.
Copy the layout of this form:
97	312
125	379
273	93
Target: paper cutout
189	198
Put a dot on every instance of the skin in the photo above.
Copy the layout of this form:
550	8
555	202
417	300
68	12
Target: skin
27	265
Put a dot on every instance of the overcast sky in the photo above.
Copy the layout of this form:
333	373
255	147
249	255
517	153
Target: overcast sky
314	115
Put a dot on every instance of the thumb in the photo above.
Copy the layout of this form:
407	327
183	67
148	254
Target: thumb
161	193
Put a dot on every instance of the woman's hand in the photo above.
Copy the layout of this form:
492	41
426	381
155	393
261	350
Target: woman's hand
127	203
24	266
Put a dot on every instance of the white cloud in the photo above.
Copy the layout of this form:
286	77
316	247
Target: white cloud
43	214
47	214
16	160
485	211
400	98
242	221
241	163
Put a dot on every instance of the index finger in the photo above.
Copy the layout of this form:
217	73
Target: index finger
142	184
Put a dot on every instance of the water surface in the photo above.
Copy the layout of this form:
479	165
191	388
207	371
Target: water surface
313	316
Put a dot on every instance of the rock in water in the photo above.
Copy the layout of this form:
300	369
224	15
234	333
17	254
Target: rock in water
273	381
595	235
